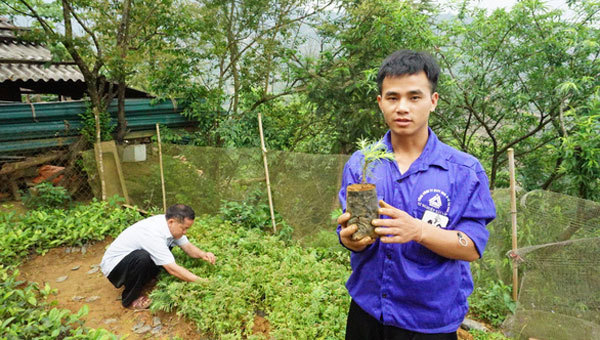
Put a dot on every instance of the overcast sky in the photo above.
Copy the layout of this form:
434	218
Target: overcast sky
493	4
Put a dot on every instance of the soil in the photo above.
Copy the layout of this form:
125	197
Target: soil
103	300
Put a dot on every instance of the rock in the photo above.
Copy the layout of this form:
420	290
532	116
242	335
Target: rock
76	267
472	324
77	298
62	278
68	250
94	266
92	298
156	329
140	328
93	270
109	321
83	250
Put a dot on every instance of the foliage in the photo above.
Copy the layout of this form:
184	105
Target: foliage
26	312
492	303
46	196
301	294
481	335
88	128
40	230
507	78
252	212
372	152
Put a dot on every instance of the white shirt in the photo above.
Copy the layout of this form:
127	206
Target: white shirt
151	234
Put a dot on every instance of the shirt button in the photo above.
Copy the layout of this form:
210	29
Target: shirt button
389	257
384	295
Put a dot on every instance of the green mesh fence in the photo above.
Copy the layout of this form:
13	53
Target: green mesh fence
304	186
559	296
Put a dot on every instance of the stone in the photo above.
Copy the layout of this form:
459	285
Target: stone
93	270
62	278
83	250
156	329
68	250
77	298
156	321
92	298
76	267
140	328
472	324
109	321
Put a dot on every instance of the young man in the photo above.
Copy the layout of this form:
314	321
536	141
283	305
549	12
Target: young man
133	259
413	281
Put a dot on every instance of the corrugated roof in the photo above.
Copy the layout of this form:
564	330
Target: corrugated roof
39	72
10	49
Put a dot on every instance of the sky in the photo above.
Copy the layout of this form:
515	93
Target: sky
493	4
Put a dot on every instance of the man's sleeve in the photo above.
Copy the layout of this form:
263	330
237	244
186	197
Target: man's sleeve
479	211
181	241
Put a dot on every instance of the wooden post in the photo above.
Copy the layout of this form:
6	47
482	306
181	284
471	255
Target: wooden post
162	175
513	215
100	155
264	155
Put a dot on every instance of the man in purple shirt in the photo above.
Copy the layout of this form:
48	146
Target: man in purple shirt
413	281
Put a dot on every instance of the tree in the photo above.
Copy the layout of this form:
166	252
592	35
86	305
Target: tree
101	37
502	78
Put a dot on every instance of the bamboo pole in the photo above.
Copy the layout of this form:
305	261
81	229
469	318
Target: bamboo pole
264	155
513	215
162	174
100	156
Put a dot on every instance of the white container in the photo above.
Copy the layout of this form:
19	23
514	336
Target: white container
134	153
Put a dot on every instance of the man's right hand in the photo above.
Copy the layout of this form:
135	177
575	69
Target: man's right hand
346	235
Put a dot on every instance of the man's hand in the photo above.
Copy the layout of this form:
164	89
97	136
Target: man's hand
208	257
400	228
347	231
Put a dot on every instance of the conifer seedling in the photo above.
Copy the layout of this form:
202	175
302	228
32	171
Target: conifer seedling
361	199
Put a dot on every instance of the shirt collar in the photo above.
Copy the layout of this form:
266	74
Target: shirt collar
431	154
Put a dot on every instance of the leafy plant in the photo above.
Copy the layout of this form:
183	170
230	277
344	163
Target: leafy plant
253	213
372	152
46	196
88	129
492	303
300	292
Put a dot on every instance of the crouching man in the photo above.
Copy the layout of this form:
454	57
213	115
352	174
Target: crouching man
134	258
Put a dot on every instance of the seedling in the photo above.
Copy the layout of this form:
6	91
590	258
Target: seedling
362	198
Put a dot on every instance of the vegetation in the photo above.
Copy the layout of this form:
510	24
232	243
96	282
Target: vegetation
27	312
45	196
372	152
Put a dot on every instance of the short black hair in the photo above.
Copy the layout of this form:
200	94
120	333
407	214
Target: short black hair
410	62
180	212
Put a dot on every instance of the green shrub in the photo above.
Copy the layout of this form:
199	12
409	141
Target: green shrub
301	292
492	302
253	213
46	196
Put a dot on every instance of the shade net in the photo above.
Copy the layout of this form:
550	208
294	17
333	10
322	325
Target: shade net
304	186
559	296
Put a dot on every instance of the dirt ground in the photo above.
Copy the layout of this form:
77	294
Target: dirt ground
85	284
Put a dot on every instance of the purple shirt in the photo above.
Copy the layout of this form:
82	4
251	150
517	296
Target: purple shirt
407	285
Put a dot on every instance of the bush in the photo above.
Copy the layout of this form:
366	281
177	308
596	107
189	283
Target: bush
492	303
301	293
46	196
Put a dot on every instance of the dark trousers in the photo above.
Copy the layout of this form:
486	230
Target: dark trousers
362	326
134	271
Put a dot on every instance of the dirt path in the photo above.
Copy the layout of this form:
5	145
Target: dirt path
85	284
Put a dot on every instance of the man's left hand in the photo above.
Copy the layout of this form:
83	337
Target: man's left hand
208	257
399	228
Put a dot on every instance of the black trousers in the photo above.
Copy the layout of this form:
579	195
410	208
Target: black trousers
362	326
134	271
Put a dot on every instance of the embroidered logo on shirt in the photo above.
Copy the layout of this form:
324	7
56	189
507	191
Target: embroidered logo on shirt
434	200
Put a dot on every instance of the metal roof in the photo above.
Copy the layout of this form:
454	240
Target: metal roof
39	72
24	61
